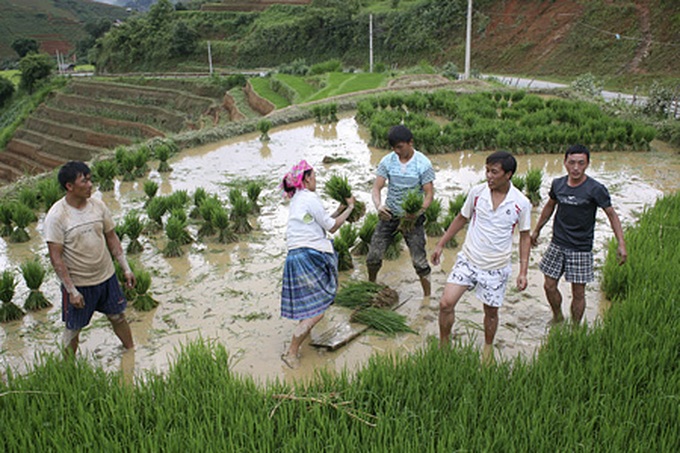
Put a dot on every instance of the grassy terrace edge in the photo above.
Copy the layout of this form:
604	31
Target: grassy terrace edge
613	386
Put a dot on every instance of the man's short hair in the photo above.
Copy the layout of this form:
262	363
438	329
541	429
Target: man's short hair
70	170
577	149
507	161
399	134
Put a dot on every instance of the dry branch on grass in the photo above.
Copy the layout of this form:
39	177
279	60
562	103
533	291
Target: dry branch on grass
330	400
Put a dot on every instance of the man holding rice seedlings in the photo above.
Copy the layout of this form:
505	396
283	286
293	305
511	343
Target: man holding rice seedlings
570	253
81	239
407	170
494	209
310	273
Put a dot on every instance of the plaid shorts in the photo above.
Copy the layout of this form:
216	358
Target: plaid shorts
577	267
490	285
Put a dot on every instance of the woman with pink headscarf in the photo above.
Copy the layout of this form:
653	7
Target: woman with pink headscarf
310	274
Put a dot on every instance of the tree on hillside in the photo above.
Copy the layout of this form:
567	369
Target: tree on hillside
34	68
6	90
184	40
95	29
24	46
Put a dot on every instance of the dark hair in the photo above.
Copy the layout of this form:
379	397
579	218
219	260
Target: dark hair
577	149
70	170
507	161
399	134
291	190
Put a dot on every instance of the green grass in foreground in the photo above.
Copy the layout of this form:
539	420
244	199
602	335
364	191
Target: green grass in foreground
612	387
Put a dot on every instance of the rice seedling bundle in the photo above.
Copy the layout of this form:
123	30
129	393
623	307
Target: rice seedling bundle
22	216
240	208
338	189
29	197
8	311
104	172
199	195
519	182
182	217
143	301
533	179
412	204
129	293
253	189
150	189
133	227
156	209
49	191
383	320
6	213
162	153
207	210
365	234
34	274
220	219
455	207
140	158
342	243
174	229
361	294
178	200
263	126
127	165
393	250
432	213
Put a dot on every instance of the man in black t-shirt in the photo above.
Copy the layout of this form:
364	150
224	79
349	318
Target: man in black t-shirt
577	198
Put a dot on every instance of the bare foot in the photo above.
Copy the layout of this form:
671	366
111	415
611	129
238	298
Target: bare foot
292	361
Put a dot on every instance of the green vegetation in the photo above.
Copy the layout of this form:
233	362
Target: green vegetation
8	310
34	274
343	243
365	234
337	187
143	301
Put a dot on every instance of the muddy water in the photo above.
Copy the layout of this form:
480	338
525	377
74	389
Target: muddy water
229	294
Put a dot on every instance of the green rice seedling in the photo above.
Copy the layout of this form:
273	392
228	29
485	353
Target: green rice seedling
253	189
143	301
126	165
178	200
29	197
141	157
343	242
162	153
357	294
432	226
34	274
8	311
104	172
174	229
455	207
49	191
199	195
338	189
119	155
129	293
264	126
150	189
207	210
182	216
133	227
220	219
240	208
156	208
519	182
393	251
412	206
22	216
381	319
6	214
365	234
534	178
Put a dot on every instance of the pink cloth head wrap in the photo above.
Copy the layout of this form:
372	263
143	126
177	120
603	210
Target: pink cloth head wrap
294	178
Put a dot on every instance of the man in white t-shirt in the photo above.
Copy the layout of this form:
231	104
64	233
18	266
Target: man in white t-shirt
493	210
80	239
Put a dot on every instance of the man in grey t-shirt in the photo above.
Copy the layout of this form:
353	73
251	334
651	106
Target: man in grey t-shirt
576	197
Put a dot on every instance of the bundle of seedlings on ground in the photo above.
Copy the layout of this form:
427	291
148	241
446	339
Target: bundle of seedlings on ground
432	226
220	219
6	213
162	153
338	189
362	294
519	182
534	178
263	127
199	196
103	173
29	197
8	311
178	200
22	216
240	208
412	206
150	189
455	207
253	189
174	229
393	251
49	191
133	227
208	207
143	301
155	209
342	243
34	274
365	234
128	292
126	165
182	217
383	320
141	157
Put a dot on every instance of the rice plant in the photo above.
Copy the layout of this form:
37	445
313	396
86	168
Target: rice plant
337	187
263	127
220	219
177	200
128	292
207	209
393	251
6	214
519	182
104	173
182	217
199	196
253	189
174	229
150	189
141	157
432	226
365	234
361	294
49	191
534	178
155	209
455	207
143	301
29	197
162	153
126	164
240	208
34	274
133	227
343	242
8	311
22	216
412	204
381	319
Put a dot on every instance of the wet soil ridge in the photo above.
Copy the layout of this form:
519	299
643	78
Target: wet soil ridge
89	117
251	5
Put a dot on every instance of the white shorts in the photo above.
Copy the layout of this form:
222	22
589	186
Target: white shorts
490	285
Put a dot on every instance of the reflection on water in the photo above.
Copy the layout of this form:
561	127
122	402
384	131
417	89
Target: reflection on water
230	293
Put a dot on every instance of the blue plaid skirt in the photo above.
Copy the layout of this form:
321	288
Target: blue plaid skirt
310	282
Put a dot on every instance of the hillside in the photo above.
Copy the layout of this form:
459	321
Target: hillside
55	24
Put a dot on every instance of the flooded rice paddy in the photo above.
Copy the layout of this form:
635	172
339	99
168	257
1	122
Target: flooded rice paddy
229	294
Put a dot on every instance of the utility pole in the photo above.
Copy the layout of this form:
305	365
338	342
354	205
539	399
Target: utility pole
210	58
370	42
468	39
